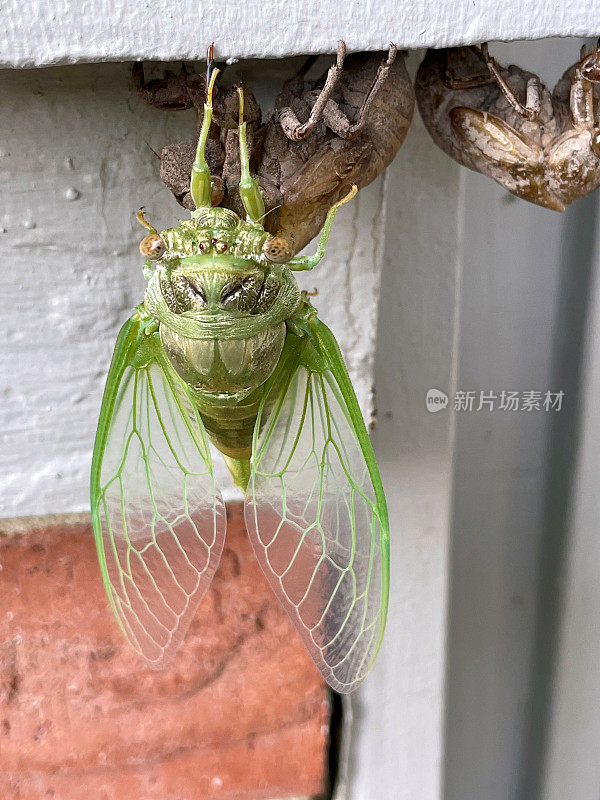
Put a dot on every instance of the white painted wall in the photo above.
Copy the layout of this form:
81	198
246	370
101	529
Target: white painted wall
42	32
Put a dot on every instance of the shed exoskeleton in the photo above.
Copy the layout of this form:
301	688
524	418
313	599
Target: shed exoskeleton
225	347
323	134
503	122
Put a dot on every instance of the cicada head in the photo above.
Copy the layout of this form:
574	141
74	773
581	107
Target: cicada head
216	238
219	285
218	233
220	300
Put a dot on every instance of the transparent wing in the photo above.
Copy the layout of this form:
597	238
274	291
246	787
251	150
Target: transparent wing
316	513
159	519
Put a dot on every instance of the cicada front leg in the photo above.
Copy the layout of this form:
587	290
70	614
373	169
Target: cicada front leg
301	263
489	73
328	109
338	121
531	109
291	125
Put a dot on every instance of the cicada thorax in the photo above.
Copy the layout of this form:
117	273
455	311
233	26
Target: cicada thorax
222	315
224	365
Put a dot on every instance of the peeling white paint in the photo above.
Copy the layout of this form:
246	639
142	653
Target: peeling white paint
75	167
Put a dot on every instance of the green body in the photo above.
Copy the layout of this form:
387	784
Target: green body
222	316
225	347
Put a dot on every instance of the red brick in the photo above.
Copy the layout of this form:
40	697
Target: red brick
241	712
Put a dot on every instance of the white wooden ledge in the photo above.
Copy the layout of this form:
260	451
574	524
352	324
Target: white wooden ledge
45	32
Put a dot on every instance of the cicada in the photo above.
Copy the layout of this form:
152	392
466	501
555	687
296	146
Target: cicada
503	122
226	349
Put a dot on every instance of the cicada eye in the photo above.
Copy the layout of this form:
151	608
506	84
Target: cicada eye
153	247
277	250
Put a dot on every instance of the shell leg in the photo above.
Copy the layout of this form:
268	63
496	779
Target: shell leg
291	125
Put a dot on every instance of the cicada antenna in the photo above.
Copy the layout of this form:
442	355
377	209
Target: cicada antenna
250	193
270	211
200	186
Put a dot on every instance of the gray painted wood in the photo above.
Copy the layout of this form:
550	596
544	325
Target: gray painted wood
526	274
399	743
462	700
573	713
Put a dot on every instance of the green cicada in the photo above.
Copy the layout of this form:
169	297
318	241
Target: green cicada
226	348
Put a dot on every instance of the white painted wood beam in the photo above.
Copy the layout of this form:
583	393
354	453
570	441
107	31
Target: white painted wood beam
45	32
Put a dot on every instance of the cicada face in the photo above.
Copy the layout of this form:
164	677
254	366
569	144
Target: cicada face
222	302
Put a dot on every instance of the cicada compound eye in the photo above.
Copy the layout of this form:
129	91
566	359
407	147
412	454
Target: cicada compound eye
277	250
153	247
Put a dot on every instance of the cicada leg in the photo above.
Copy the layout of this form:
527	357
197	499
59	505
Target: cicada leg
531	109
308	262
335	117
291	125
328	109
252	199
200	184
454	57
581	98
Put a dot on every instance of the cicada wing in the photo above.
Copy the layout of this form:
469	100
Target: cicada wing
316	513
159	518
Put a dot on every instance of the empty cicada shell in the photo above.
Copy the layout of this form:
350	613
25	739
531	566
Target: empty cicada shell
503	122
324	135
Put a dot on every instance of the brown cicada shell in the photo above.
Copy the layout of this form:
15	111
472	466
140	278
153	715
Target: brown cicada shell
504	123
322	136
